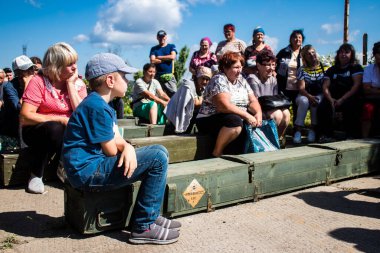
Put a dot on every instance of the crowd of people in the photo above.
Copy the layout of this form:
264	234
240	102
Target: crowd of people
45	106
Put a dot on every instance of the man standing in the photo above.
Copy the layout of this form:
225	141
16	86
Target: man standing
231	43
163	56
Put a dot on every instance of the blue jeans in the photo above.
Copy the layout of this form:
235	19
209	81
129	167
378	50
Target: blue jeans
152	166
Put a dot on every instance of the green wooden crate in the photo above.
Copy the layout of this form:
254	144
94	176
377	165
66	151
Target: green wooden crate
354	158
127	122
180	148
203	185
129	132
288	169
95	212
15	169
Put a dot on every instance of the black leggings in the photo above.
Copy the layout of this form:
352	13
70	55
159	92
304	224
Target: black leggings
44	140
212	125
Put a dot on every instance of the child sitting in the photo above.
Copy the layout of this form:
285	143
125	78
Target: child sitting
97	158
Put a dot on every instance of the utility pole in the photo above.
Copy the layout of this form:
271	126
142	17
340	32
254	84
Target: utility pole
24	49
346	16
365	48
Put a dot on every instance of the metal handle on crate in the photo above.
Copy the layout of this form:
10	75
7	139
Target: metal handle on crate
105	225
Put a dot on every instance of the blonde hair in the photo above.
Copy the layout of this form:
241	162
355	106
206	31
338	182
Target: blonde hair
56	58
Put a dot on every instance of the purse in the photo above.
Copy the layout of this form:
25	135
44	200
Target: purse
261	139
279	101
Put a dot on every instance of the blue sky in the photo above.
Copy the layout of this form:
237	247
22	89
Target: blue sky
129	27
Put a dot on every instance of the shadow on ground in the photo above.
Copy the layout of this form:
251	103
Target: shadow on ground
338	202
365	240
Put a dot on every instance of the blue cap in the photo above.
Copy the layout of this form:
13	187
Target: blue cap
105	63
258	29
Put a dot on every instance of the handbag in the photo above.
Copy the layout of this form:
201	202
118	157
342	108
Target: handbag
279	101
261	139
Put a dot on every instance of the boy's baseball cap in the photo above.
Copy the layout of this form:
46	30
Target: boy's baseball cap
22	62
105	63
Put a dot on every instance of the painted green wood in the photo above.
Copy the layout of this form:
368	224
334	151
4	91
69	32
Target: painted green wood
128	132
354	158
94	212
180	148
288	169
224	182
15	169
127	122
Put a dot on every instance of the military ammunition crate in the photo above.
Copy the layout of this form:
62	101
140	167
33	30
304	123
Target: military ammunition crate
203	185
15	168
288	169
181	148
94	212
128	132
353	158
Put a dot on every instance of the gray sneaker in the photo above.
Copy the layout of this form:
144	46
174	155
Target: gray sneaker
154	235
166	223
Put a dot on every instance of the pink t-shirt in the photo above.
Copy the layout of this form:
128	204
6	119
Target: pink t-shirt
49	101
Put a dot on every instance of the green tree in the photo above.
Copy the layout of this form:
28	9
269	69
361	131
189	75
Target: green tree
179	65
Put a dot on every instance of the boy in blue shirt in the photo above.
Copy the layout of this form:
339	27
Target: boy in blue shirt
97	158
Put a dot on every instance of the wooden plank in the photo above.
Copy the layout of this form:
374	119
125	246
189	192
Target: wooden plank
181	148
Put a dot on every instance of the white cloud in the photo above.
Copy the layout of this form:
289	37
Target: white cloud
352	36
331	28
272	42
130	22
329	42
81	38
34	3
216	2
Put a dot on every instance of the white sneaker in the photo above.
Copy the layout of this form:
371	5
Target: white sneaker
297	139
36	185
311	136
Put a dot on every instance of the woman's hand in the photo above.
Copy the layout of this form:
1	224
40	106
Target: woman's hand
338	102
251	120
313	100
73	78
128	158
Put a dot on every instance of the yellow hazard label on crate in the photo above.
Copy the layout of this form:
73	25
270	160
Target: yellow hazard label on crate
193	193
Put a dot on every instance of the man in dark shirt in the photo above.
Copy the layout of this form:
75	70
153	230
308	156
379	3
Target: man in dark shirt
163	56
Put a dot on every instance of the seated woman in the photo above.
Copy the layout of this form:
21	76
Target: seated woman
48	102
149	100
371	86
341	87
183	107
265	84
202	57
310	79
227	101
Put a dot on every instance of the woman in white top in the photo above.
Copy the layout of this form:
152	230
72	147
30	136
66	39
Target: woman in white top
371	86
227	101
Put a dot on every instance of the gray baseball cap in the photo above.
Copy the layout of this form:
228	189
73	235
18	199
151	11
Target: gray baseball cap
105	63
22	62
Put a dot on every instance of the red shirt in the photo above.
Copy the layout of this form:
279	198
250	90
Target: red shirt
47	99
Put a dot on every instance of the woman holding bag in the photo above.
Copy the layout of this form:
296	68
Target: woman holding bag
265	84
228	100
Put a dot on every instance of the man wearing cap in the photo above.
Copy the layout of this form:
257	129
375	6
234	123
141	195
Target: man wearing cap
231	43
97	158
163	56
13	90
183	107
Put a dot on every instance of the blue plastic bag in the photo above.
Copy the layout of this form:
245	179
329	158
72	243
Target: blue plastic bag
261	139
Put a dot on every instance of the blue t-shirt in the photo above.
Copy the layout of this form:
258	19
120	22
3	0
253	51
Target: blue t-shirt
166	67
90	124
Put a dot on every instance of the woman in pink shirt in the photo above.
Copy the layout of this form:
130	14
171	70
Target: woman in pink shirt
48	101
203	57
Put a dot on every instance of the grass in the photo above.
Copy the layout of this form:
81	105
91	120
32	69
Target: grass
8	242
